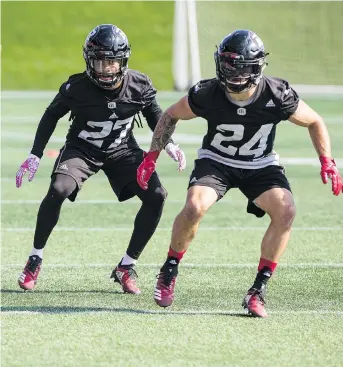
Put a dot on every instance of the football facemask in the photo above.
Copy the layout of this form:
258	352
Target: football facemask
237	74
107	71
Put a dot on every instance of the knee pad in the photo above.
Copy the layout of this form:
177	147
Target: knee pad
161	193
62	185
157	197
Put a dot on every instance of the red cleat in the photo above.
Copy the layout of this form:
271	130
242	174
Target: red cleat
126	276
254	303
28	278
164	289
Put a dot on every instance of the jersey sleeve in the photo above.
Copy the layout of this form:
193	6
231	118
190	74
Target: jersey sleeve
67	93
289	101
149	93
56	110
152	114
197	99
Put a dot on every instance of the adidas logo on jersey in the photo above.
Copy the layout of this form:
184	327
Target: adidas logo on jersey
63	166
270	104
193	180
113	116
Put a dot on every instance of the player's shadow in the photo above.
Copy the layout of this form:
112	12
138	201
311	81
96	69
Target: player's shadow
72	310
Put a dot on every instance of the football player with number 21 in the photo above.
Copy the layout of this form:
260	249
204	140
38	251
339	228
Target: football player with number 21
242	108
104	102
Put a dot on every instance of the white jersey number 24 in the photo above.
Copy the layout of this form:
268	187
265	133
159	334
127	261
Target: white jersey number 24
238	132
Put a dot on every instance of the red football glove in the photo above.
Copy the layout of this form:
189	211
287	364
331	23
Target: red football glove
146	169
329	170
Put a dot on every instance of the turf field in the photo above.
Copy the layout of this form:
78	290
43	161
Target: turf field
48	35
77	317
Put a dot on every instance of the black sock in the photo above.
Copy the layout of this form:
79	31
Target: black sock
170	268
262	278
171	261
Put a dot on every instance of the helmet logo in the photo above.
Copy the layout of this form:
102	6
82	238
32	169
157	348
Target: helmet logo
241	111
258	40
91	34
119	32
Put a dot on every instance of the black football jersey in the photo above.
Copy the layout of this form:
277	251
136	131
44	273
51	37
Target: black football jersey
241	134
101	120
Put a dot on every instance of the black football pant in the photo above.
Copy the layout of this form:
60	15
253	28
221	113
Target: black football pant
146	221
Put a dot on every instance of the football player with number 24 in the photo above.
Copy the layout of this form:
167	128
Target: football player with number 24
242	108
104	102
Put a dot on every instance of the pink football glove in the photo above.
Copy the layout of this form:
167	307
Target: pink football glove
176	154
31	164
146	169
329	170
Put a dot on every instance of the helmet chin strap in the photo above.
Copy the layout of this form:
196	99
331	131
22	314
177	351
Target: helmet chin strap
110	79
236	88
252	82
115	86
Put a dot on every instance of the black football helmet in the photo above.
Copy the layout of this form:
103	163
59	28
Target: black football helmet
106	42
240	61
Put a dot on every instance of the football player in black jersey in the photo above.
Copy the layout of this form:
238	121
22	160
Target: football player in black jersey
104	102
242	108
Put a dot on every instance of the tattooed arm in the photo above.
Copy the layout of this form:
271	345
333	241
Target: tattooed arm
162	133
167	123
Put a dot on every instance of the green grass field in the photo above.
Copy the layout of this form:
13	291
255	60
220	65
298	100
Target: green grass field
49	36
304	38
298	35
77	317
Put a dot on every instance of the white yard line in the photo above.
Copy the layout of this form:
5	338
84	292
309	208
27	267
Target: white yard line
15	136
305	161
102	310
34	120
108	202
187	140
99	177
187	265
287	161
203	229
81	202
27	120
315	91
